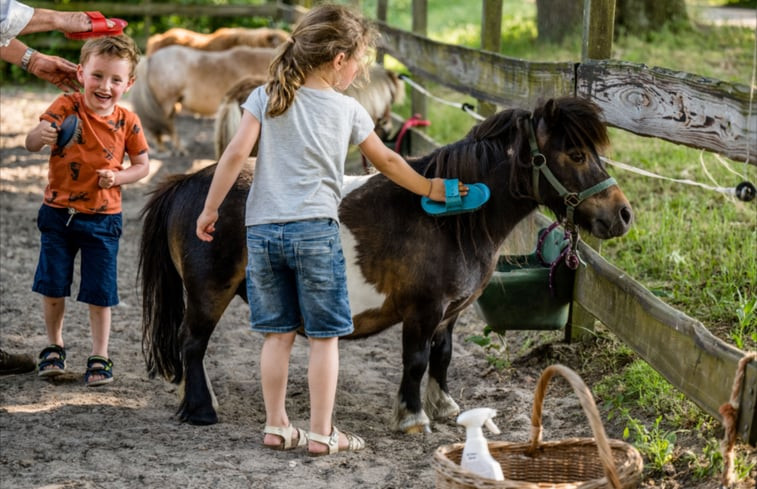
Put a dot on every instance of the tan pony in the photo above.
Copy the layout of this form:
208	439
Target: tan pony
222	39
377	95
196	79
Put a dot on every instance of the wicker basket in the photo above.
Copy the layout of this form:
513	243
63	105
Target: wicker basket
574	463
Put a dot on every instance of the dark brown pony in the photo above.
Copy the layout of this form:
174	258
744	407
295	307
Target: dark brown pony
404	266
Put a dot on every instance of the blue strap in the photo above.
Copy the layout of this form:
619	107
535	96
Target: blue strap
452	194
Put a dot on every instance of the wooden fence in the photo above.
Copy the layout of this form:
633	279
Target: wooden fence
679	107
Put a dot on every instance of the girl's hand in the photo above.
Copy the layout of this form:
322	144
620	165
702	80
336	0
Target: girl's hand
107	178
206	225
438	191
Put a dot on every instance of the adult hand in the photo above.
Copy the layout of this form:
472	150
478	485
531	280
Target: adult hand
58	71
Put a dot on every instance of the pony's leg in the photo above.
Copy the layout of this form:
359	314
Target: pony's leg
416	348
198	404
439	404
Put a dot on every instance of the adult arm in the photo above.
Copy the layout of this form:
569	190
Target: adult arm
54	69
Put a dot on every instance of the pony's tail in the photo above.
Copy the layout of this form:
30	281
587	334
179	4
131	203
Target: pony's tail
162	290
228	118
229	114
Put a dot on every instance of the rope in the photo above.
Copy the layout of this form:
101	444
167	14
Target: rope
730	413
466	107
744	191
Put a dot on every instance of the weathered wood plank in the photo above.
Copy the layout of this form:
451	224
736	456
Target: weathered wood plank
676	106
697	363
486	76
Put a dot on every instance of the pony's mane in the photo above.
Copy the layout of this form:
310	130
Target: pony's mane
502	139
484	147
579	120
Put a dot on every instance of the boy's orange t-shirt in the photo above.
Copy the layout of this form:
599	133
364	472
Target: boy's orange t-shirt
101	144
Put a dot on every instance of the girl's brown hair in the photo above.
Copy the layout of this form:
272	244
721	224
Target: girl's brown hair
323	33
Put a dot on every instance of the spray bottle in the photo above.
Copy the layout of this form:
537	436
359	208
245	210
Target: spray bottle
476	456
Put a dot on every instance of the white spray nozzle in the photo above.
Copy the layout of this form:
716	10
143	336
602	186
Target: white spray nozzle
478	417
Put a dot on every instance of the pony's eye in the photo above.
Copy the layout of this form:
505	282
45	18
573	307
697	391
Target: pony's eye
578	157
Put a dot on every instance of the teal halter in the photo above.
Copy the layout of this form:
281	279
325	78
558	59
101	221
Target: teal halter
539	163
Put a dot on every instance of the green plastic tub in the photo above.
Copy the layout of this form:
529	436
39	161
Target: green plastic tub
518	296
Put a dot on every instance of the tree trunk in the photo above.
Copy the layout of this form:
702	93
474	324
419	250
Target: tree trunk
558	19
640	16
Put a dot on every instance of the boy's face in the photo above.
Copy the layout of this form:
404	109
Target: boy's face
105	79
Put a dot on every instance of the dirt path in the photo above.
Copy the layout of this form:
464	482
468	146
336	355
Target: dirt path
63	435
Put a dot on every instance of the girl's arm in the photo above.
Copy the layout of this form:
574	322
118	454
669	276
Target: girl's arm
41	135
233	158
397	170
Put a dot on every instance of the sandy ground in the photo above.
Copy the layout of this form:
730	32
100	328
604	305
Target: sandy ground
63	435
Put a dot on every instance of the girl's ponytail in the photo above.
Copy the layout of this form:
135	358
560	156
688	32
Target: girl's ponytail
286	77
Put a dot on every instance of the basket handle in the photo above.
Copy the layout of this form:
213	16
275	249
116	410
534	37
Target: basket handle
590	409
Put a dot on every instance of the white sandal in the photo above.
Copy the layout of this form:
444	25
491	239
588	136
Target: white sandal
332	442
286	437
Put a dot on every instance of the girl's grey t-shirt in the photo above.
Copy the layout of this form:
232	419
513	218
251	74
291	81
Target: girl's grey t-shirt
301	155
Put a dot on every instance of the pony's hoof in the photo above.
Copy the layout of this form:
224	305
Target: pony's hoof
199	419
418	429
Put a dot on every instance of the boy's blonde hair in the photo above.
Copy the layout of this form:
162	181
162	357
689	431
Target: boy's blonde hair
323	33
121	46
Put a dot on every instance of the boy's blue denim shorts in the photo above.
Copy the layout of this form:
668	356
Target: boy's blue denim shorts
296	277
96	236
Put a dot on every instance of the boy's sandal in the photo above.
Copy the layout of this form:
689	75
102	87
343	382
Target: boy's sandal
99	27
101	367
287	439
50	366
332	442
478	195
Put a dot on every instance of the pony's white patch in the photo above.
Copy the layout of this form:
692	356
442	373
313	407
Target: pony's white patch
351	182
362	295
213	398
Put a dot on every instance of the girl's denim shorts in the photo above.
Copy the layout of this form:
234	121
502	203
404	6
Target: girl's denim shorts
296	277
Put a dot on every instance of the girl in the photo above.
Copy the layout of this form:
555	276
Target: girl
296	270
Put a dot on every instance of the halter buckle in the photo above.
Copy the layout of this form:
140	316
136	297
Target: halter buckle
572	200
538	160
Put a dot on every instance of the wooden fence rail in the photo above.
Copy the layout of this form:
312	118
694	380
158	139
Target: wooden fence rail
680	107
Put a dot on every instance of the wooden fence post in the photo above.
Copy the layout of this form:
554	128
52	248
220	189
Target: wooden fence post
491	34
420	27
599	23
599	17
382	6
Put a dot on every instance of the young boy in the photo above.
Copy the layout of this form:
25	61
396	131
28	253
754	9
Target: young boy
82	202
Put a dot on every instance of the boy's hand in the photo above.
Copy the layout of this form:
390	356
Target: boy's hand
47	133
107	178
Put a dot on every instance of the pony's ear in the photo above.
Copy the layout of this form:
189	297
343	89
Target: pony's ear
551	112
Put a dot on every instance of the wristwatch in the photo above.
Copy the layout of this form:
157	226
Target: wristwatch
26	58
